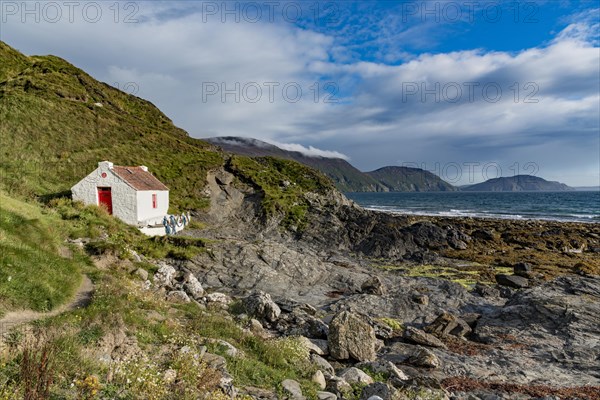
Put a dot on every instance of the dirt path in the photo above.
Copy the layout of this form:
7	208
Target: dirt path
82	298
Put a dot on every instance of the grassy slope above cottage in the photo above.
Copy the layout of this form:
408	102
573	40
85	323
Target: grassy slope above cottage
56	123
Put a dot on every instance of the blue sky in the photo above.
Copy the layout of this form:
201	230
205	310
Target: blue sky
485	85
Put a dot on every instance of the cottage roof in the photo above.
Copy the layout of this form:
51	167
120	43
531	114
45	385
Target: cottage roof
139	178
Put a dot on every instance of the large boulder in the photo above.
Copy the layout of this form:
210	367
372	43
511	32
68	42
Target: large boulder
351	337
260	305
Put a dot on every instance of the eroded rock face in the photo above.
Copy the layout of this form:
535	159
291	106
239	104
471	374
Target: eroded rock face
558	321
351	337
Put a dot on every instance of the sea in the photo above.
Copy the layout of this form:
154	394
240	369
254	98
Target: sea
558	206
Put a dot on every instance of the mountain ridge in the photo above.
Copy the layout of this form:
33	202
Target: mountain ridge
518	183
345	176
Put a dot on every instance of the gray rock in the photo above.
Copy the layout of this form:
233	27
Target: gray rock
523	269
339	386
354	375
319	379
165	276
422	299
322	364
326	396
256	328
142	274
219	299
178	296
424	358
513	281
230	349
260	305
448	324
350	336
193	287
316	346
417	336
377	390
486	290
215	361
373	285
292	389
385	368
300	323
483	234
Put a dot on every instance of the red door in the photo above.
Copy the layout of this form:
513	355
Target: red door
105	198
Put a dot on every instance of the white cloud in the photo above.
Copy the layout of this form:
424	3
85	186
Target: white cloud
171	57
310	151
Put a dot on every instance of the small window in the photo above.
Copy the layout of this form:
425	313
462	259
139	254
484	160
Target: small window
154	201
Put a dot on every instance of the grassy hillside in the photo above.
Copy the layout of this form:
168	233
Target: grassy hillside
33	274
57	122
53	133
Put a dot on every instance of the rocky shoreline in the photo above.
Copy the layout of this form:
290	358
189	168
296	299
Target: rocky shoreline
369	292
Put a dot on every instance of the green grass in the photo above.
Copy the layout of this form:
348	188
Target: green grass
53	135
120	303
466	276
283	184
32	273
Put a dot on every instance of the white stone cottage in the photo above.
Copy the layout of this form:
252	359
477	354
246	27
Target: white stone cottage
132	194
